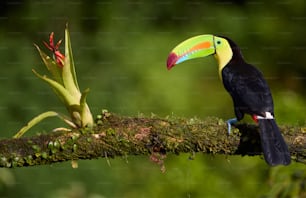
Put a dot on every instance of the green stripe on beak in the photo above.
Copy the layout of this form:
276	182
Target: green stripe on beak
195	47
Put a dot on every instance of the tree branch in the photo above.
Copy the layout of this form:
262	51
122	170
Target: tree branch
115	135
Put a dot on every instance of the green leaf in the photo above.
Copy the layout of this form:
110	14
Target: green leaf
60	91
35	121
69	74
51	65
83	98
87	119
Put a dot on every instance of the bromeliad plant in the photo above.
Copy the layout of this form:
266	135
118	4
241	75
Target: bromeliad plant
64	84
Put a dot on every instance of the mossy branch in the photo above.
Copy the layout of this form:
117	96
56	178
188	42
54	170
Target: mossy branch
115	135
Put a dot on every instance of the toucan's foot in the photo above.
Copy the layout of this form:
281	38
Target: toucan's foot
229	124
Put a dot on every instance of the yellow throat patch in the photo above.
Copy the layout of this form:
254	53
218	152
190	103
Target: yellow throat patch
223	53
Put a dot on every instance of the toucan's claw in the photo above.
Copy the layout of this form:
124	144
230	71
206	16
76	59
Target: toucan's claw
229	124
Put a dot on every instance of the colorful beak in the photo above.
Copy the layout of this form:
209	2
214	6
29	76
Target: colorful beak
195	47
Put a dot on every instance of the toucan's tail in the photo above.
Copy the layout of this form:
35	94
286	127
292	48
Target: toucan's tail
273	145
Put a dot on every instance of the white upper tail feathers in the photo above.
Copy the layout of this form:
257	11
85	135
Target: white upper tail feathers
268	116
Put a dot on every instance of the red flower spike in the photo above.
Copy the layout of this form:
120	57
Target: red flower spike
58	56
58	44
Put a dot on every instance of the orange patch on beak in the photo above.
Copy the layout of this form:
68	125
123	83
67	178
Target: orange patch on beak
200	46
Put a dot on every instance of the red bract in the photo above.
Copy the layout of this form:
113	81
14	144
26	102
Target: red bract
58	56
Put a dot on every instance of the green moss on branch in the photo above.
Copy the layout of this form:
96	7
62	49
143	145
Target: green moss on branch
118	136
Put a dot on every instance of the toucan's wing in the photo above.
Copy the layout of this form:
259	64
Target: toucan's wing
249	90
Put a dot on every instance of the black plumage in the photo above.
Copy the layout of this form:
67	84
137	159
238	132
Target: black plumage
251	95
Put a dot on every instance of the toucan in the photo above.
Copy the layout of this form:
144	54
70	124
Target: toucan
246	85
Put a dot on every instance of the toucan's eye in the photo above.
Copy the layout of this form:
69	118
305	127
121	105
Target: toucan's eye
218	42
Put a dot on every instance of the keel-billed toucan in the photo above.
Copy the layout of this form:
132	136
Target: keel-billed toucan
249	91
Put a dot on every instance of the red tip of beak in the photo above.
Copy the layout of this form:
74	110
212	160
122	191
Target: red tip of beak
172	58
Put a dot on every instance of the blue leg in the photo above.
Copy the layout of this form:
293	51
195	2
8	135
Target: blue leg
229	124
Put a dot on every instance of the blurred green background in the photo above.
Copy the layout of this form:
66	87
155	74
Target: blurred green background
120	49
